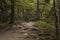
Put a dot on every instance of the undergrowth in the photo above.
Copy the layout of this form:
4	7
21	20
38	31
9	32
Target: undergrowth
44	24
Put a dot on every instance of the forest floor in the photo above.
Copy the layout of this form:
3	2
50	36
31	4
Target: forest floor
28	31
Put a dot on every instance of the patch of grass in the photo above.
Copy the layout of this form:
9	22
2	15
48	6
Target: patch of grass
57	38
45	24
4	26
18	21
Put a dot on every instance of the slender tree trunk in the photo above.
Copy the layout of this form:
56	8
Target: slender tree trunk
1	14
38	10
22	15
56	19
1	11
12	11
58	6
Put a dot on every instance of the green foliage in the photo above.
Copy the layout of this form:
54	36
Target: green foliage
44	24
24	8
57	38
4	27
47	1
3	24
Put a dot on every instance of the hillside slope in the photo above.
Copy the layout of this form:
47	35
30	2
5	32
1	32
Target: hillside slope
28	31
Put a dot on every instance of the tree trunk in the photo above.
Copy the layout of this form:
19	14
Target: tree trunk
38	10
58	6
12	11
56	18
2	10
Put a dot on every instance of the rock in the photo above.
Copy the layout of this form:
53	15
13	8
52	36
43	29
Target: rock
25	34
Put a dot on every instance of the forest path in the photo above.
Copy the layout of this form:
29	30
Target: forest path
26	31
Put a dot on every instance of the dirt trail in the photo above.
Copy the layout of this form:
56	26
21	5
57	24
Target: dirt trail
25	31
